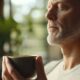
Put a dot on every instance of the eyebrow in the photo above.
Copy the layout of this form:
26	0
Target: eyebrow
54	1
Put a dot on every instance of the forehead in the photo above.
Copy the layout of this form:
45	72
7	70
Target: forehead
66	1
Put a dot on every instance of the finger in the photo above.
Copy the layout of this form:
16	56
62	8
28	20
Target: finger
3	67
6	78
5	74
12	71
40	69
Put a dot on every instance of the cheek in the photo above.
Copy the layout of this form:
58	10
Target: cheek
69	18
65	19
75	17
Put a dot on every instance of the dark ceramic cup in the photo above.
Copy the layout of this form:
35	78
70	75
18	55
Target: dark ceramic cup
24	65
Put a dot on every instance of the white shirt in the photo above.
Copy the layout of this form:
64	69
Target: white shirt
58	73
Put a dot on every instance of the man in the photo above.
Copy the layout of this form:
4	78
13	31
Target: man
63	30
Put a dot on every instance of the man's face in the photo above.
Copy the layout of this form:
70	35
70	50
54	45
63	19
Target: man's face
63	20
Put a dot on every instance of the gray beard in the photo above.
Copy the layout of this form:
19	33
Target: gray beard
66	35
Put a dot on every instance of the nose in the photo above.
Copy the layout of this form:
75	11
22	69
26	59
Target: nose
52	14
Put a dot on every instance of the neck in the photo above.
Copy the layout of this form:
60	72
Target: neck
71	54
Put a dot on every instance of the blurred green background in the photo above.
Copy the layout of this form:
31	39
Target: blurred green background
23	29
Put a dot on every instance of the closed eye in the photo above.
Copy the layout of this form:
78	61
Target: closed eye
62	6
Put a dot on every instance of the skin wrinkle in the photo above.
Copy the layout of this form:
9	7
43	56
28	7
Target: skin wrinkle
63	30
68	33
73	2
69	22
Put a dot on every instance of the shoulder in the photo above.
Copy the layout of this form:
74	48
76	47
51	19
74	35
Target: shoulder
51	65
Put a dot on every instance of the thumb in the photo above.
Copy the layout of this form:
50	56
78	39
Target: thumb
40	69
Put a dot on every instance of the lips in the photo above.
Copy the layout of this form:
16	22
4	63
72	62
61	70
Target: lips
52	26
52	29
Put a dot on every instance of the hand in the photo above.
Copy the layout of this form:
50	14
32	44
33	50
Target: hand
9	73
40	69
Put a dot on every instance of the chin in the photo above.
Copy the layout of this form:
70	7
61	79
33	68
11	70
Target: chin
52	41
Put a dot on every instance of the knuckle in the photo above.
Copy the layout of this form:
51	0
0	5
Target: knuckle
4	72
11	71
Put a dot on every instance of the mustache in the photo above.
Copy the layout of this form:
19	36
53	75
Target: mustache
58	25
55	24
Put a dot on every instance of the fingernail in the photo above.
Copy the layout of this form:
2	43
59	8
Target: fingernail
39	58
